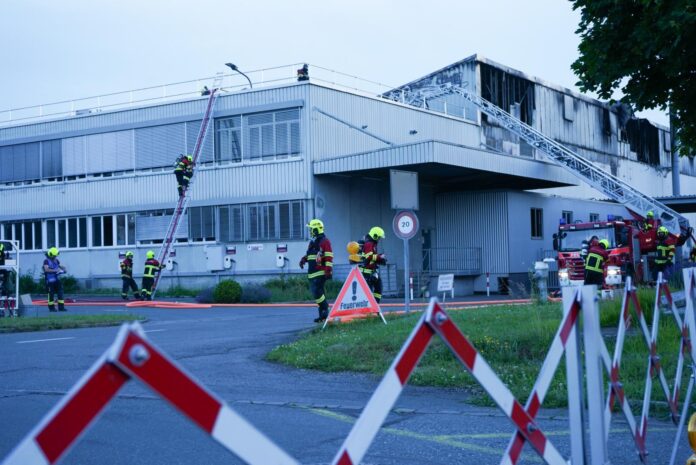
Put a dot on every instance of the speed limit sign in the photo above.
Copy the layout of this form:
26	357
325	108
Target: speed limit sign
405	224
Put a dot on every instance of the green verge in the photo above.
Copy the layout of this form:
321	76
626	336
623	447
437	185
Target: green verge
513	339
18	325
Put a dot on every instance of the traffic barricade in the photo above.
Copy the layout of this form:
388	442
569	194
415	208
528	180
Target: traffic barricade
132	356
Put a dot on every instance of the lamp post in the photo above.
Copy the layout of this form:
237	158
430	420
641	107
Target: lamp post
233	67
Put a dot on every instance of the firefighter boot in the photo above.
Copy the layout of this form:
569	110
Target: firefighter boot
61	306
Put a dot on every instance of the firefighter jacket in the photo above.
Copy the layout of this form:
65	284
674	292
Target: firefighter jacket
665	252
319	257
2	254
152	267
184	165
371	258
596	257
127	268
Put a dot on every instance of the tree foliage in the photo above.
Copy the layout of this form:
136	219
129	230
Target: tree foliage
646	48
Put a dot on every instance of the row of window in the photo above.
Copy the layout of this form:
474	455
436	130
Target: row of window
260	136
227	223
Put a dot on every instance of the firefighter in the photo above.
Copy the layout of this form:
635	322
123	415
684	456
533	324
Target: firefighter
650	221
665	254
152	267
127	277
183	171
319	261
52	269
303	73
594	263
371	259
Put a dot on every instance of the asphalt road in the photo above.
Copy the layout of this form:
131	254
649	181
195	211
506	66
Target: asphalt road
307	413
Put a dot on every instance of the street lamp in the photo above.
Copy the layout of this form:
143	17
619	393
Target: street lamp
233	67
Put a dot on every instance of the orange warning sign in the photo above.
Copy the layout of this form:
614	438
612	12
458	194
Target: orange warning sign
355	299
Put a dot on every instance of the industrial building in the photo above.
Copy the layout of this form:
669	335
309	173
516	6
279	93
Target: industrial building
99	181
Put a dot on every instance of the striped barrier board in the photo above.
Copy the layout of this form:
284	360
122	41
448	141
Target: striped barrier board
436	321
133	356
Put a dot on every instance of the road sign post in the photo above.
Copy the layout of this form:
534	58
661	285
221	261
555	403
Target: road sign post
405	227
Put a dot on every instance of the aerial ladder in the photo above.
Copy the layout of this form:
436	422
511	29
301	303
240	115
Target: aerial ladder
608	184
182	203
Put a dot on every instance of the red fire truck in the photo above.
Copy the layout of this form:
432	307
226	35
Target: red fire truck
630	243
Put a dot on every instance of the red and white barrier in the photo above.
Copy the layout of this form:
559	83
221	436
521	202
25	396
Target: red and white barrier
132	356
436	321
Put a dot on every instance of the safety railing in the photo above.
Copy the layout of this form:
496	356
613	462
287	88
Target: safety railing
185	90
465	261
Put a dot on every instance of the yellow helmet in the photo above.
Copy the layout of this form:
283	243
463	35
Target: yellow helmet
129	254
604	243
53	252
189	157
316	227
150	254
376	233
662	231
650	214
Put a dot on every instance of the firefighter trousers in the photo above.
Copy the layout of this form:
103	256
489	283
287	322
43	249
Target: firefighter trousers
316	287
182	180
146	293
593	277
375	283
129	283
55	289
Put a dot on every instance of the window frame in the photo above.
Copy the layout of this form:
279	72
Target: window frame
536	223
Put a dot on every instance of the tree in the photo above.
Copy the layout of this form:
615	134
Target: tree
646	48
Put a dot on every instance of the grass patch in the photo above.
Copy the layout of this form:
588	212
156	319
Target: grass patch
513	339
18	325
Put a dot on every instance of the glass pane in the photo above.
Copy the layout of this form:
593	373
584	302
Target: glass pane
253	222
7	229
209	223
298	220
96	231
287	115
120	229
28	243
131	228
267	141
238	224
254	143
260	118
61	233
224	213
108	231
284	213
50	233
295	137
282	139
83	231
72	232
38	236
270	216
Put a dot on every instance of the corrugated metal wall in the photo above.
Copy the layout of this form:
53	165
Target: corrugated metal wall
230	184
475	219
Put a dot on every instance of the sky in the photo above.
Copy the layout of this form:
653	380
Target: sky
68	49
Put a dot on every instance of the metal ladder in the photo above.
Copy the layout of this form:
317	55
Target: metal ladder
182	203
609	185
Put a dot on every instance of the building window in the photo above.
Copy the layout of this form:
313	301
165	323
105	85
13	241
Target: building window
231	223
110	230
201	224
67	233
594	217
291	220
537	217
27	233
258	136
261	219
567	216
228	139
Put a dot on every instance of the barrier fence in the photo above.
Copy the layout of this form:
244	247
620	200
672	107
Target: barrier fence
132	356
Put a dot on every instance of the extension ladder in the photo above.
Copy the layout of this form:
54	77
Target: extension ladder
609	185
182	203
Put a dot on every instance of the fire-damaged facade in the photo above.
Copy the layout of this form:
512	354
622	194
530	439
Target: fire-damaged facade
99	183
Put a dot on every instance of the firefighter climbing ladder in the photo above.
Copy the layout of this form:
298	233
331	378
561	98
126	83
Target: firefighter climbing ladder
183	201
604	182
